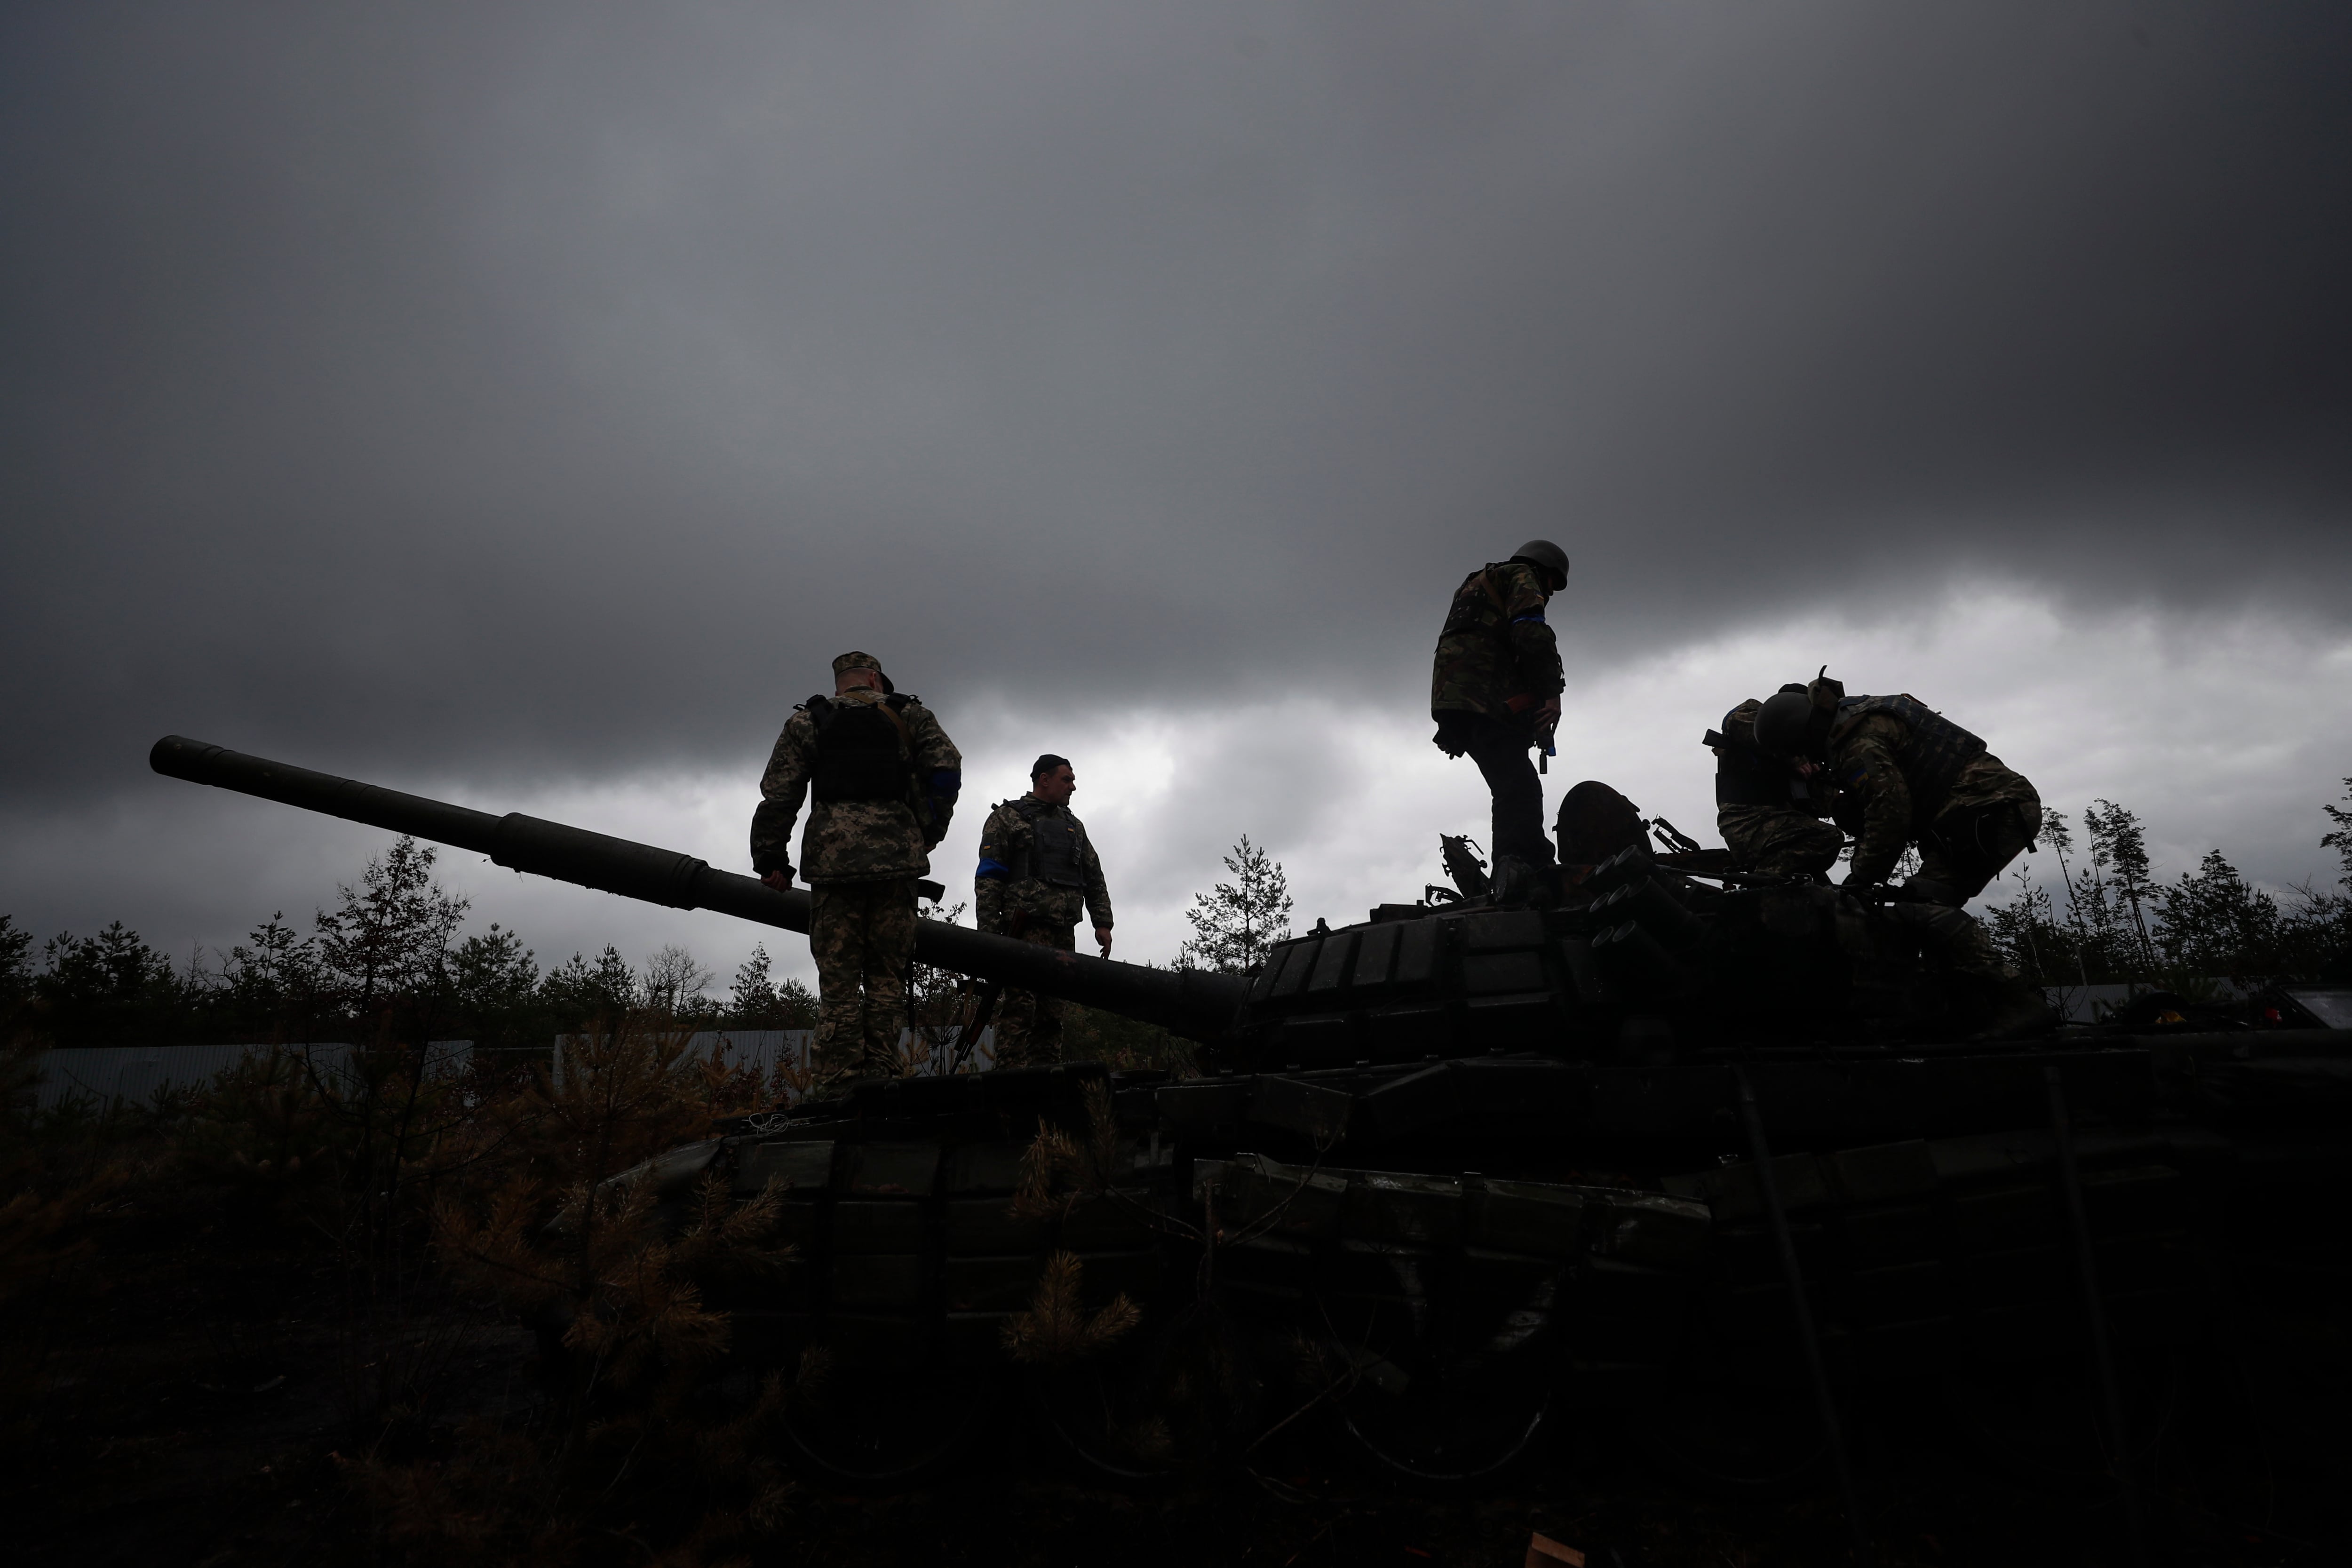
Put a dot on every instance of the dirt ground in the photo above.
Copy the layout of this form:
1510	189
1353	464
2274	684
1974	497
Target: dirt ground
197	1412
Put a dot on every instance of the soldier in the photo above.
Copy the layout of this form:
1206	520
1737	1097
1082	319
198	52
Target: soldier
1037	869
1495	686
1904	774
1768	811
885	777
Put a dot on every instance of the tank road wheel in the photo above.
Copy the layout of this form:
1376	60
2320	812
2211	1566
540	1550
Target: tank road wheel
1185	1398
1441	1398
874	1429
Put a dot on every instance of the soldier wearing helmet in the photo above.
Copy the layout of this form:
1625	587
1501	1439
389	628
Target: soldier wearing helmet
884	778
1495	686
1904	775
1770	810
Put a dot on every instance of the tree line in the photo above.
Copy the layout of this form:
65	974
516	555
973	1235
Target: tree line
2111	920
388	961
392	961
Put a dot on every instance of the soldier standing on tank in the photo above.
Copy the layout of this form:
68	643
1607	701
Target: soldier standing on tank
1039	872
1494	686
1771	811
884	778
1905	774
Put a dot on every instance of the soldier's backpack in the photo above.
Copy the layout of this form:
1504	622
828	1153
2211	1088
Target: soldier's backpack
862	750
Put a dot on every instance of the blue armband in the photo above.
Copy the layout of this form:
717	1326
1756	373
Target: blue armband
947	782
996	869
1536	616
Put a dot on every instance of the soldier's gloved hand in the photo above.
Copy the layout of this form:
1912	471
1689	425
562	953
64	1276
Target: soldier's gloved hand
780	879
1102	935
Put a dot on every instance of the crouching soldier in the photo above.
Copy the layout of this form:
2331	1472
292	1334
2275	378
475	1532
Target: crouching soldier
1906	775
1039	872
1771	811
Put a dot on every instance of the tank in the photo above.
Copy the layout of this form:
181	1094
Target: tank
1697	1159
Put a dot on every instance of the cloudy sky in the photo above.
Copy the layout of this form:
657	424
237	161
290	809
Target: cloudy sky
522	403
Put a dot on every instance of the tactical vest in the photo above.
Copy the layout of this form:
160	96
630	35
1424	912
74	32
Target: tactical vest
1057	846
1479	609
1746	776
1931	757
861	751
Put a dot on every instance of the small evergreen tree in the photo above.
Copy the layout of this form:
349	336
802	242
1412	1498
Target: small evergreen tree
2119	843
575	993
112	988
795	1004
751	1000
278	966
2213	921
496	985
389	942
15	969
757	1002
1237	923
2027	932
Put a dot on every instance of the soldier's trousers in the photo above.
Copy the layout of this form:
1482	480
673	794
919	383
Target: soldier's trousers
861	935
1028	1026
1972	839
1966	847
1775	841
1500	751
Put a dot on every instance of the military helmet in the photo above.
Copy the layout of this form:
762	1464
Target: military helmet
1594	823
1784	723
1546	557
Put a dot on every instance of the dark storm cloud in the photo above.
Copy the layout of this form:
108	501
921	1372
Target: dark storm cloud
483	391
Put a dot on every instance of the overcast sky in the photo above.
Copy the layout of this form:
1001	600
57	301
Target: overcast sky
523	404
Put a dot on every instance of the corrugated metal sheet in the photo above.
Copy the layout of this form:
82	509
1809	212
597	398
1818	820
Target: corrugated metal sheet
105	1074
760	1048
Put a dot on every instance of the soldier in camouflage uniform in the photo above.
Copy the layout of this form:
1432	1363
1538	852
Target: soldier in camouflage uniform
885	777
1903	773
1768	811
1039	872
1494	686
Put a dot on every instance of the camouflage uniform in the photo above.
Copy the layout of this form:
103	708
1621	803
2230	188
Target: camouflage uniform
860	858
1780	835
1496	663
1906	774
1018	892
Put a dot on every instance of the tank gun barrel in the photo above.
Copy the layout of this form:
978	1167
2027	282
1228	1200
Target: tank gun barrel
1198	1006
